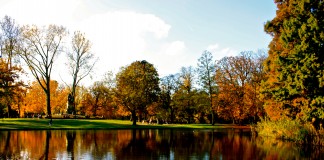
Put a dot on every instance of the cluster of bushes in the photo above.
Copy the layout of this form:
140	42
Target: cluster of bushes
292	130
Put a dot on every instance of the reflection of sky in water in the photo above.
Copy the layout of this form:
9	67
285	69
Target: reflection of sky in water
171	155
24	155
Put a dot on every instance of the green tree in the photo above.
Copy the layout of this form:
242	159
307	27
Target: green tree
206	73
295	72
137	87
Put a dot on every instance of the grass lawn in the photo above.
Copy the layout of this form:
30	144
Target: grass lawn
43	124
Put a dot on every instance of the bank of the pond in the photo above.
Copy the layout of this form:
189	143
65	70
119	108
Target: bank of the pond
88	124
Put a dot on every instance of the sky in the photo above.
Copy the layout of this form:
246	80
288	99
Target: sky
170	34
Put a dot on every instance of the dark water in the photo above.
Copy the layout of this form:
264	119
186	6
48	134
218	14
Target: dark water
148	144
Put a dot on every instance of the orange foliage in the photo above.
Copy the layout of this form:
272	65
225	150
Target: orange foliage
238	79
98	101
35	101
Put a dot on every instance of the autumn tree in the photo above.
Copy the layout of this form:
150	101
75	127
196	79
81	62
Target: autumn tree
137	87
10	71
40	48
206	73
60	95
98	101
9	84
37	105
258	77
238	79
81	92
80	62
295	70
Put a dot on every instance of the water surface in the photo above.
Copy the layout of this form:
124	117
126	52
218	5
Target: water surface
148	144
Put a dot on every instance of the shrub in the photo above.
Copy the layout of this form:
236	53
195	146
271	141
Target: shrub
293	130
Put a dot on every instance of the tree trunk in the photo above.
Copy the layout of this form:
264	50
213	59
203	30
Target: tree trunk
172	115
213	120
48	99
8	98
73	95
212	110
134	117
9	109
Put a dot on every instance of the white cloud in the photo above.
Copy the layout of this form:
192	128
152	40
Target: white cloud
41	12
118	37
213	47
219	52
170	57
175	48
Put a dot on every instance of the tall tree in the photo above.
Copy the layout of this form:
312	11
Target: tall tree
206	73
295	67
80	62
40	48
137	87
9	41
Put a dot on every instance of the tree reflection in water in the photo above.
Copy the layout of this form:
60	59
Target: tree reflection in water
147	144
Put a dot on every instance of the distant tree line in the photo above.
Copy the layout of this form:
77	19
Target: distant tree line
226	90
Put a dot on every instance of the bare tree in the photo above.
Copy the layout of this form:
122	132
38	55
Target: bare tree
81	62
40	47
9	39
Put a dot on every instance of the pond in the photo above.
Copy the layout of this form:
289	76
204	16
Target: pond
148	144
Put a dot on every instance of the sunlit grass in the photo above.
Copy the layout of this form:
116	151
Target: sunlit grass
38	124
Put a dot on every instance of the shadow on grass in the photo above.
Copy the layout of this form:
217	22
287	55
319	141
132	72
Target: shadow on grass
88	124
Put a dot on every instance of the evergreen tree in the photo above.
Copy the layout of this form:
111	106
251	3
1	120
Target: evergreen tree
295	81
